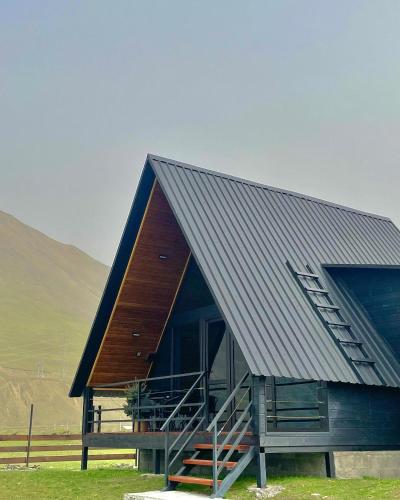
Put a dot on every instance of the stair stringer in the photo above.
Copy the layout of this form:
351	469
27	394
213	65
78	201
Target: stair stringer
231	477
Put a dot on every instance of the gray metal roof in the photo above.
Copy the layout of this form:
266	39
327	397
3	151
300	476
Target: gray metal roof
242	233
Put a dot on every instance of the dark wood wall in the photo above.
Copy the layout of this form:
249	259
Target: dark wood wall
145	298
378	291
193	300
364	415
360	418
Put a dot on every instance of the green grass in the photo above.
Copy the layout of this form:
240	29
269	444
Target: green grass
340	489
109	483
101	484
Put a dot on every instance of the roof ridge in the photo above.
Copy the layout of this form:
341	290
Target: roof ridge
256	184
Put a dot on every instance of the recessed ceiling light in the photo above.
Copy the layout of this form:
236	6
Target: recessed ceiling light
162	257
138	354
135	334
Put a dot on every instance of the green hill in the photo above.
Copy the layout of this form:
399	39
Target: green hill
49	295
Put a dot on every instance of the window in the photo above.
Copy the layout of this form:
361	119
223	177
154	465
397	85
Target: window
296	405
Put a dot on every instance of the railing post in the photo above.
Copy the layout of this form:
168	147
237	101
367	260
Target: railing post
138	406
206	399
215	459
166	457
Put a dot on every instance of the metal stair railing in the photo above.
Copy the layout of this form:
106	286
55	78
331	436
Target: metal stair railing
198	416
219	489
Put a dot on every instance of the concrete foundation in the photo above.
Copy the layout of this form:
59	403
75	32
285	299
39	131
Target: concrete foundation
379	464
283	464
165	495
356	464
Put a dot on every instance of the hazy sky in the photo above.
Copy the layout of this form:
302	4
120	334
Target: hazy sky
298	94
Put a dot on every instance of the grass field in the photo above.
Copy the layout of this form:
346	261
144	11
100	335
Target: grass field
50	292
109	483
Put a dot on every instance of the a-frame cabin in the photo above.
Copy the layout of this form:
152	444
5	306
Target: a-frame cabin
245	320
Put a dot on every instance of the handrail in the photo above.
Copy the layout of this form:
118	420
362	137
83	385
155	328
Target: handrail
227	402
198	415
187	426
140	380
235	443
234	428
246	392
185	397
219	457
187	440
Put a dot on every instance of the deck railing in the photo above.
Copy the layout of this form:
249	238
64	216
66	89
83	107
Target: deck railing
153	401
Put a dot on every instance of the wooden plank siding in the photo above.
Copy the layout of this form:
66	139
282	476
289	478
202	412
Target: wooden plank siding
360	418
146	296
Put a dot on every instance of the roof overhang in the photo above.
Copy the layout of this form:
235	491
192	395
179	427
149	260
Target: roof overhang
139	295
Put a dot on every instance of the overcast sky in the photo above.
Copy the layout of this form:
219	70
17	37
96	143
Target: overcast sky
298	94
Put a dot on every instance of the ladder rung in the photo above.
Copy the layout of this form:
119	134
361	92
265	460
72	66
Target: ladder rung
328	306
337	323
307	275
316	290
367	361
351	342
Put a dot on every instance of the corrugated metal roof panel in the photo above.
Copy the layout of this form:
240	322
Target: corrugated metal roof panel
242	234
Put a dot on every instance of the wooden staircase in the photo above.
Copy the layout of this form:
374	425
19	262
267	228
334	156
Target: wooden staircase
225	457
206	463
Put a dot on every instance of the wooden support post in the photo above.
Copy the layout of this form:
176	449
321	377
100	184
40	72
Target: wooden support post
87	426
85	456
261	468
330	464
260	427
156	461
28	449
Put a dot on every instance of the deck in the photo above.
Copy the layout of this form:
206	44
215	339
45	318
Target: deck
148	440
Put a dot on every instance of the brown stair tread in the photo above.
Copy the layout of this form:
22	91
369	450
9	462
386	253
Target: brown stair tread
207	463
192	480
204	446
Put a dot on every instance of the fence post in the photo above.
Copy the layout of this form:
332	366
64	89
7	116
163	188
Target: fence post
99	418
86	425
28	449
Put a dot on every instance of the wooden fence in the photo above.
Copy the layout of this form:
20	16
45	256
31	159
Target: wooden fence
28	448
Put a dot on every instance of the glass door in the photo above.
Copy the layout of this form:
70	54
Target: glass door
225	365
239	368
217	363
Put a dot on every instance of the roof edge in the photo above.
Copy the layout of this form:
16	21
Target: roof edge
152	157
114	281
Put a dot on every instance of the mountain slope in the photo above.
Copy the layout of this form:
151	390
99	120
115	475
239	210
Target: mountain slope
49	293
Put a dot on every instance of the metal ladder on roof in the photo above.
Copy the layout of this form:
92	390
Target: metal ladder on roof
332	318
